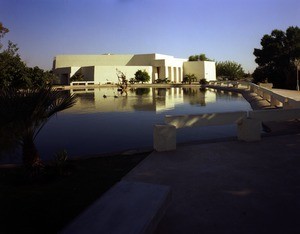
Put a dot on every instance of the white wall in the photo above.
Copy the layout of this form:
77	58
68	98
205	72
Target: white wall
104	60
201	69
104	74
194	67
210	70
74	70
91	60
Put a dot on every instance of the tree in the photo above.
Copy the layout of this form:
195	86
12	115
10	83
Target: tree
200	57
193	58
230	70
142	76
27	102
12	69
123	82
39	78
132	80
3	31
276	59
15	73
203	82
23	113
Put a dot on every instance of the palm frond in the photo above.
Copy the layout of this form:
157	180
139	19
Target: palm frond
23	113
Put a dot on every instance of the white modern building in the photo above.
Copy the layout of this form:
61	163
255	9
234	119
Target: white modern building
101	69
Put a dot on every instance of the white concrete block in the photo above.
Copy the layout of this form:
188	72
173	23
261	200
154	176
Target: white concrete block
164	137
266	85
249	130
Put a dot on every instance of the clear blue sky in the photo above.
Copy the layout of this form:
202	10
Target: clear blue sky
222	29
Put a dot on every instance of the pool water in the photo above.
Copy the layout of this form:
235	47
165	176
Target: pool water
116	122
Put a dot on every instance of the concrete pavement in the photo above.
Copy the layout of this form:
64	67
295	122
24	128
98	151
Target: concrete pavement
293	94
229	187
232	186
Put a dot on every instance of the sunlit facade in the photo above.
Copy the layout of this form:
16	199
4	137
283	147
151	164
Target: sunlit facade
102	69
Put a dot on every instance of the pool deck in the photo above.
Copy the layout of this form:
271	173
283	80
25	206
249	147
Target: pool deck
229	187
293	94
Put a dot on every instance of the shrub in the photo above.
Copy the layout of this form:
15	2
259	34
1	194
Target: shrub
162	81
142	76
203	81
132	81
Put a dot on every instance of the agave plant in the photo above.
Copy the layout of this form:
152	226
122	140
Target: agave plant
23	113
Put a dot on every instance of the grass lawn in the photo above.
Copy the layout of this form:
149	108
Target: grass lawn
47	202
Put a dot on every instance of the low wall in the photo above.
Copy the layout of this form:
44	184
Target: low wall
127	207
263	90
249	124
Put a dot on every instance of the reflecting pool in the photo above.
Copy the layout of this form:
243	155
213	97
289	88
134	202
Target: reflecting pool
104	121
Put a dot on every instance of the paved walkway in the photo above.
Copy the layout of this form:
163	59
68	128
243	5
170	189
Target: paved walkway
293	94
229	187
232	187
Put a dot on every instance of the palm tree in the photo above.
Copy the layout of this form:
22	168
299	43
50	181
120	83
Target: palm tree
23	113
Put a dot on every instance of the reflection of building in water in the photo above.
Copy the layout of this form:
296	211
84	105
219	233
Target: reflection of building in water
196	96
86	100
146	99
167	99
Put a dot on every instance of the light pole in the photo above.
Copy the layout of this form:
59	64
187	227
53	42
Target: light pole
297	79
297	62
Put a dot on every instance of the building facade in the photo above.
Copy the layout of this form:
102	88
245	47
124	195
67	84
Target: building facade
102	69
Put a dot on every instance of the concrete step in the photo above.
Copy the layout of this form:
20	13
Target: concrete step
128	207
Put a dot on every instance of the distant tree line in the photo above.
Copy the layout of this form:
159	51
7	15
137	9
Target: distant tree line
200	57
230	70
